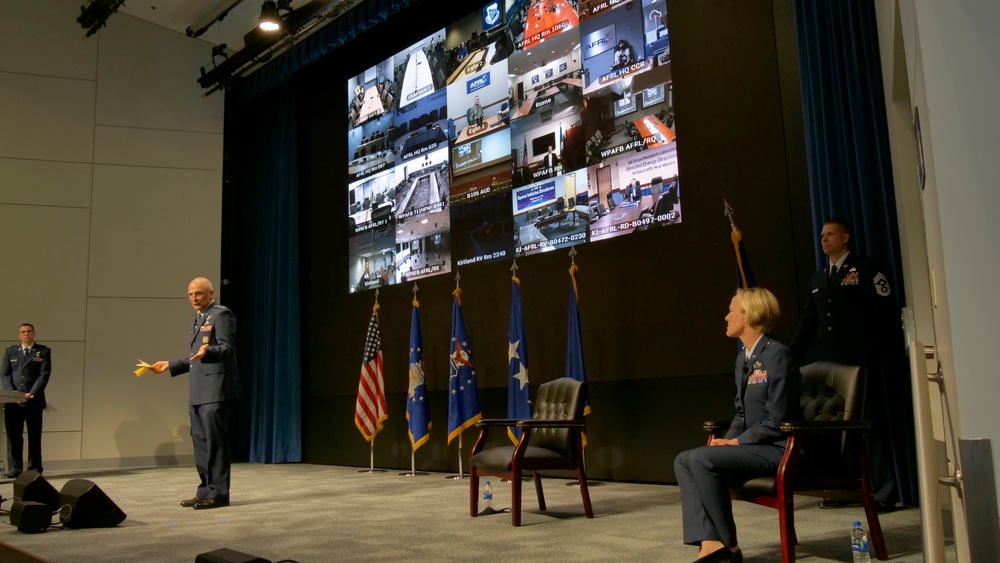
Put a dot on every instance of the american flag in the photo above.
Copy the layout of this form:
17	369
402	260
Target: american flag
370	411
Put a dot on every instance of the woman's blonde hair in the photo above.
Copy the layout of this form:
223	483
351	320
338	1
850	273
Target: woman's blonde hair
761	308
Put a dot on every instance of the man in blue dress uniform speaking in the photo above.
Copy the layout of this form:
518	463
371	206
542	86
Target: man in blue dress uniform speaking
214	381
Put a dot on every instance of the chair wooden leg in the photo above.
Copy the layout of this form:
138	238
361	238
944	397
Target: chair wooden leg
539	493
871	513
588	508
874	526
473	492
786	521
515	498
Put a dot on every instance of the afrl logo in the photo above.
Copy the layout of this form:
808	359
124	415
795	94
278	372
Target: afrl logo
478	83
599	41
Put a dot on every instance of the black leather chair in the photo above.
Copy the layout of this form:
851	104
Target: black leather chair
825	452
552	440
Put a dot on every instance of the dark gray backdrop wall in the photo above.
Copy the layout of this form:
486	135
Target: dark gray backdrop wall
651	304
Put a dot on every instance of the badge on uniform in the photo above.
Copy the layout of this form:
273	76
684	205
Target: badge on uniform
37	359
882	285
851	278
756	365
208	318
206	328
204	340
757	377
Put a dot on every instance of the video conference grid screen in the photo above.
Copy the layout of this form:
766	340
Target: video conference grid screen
525	126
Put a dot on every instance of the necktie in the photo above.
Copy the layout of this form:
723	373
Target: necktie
833	273
26	352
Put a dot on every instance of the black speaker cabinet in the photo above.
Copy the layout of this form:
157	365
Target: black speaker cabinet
89	507
30	516
226	555
31	486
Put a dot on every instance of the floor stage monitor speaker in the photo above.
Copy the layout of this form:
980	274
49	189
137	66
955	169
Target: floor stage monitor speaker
31	486
89	507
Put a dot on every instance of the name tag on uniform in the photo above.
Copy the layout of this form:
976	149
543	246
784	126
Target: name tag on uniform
206	328
757	377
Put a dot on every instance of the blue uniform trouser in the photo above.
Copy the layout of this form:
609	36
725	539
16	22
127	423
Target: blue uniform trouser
704	475
212	455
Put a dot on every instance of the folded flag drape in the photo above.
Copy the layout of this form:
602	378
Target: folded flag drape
518	390
463	390
418	410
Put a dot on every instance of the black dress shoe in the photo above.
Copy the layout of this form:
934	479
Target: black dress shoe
207	503
724	555
12	474
884	507
191	502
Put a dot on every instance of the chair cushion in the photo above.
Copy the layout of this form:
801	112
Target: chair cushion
760	486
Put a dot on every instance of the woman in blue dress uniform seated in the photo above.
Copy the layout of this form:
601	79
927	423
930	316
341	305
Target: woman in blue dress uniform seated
767	394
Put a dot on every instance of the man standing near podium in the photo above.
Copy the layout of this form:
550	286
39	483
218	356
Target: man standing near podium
213	381
25	369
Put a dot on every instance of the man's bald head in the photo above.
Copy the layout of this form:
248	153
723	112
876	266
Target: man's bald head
200	293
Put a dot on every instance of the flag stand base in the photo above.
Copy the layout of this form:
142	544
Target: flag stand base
589	483
373	470
456	477
414	474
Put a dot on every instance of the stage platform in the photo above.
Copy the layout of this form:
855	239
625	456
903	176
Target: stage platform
319	513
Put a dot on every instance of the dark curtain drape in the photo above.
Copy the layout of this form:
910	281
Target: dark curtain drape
850	172
261	193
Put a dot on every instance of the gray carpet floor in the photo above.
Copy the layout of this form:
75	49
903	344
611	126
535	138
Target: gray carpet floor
318	513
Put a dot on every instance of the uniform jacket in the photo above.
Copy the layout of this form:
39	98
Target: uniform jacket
27	375
767	394
854	317
214	378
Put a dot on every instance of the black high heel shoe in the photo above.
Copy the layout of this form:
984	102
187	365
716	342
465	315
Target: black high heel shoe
724	555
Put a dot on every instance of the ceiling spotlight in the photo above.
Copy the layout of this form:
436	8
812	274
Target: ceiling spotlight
270	20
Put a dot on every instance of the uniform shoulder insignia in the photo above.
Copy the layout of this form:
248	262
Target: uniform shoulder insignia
769	343
882	285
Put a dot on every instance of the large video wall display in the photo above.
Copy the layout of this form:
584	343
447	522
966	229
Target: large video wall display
523	127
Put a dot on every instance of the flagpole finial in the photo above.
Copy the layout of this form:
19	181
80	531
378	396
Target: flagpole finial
728	212
376	296
415	290
458	276
572	256
513	267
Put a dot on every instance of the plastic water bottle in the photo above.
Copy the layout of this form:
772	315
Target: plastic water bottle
859	543
487	496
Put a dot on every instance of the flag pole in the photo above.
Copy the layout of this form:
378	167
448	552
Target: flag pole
371	455
413	453
460	475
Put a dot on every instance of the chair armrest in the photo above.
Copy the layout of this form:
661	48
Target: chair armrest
824	425
716	425
497	422
569	423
